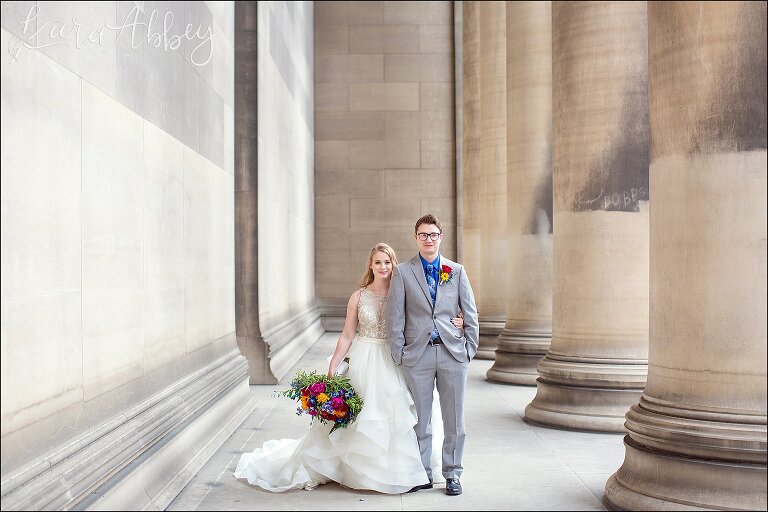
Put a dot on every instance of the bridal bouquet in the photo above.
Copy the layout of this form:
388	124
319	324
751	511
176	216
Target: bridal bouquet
327	399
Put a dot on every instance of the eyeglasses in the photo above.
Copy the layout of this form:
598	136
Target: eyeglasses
433	236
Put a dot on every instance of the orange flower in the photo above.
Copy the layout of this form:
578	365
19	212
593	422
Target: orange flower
339	414
304	404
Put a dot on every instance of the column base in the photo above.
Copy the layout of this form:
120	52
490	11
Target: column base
519	369
486	348
698	432
583	395
489	331
574	408
653	480
290	340
517	356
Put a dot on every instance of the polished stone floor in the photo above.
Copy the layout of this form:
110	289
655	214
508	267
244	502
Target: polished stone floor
509	464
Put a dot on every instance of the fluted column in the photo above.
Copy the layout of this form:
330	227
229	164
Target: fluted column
485	169
471	249
697	437
596	365
528	329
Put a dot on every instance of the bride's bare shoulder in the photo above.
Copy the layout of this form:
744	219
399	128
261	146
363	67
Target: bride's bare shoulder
355	296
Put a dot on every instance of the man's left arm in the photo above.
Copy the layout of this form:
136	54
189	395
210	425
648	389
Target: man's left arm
469	308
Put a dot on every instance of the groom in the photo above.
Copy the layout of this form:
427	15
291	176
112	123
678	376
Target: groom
425	293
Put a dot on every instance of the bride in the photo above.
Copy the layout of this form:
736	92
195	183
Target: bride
378	451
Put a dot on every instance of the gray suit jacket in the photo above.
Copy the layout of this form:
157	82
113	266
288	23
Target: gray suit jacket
410	313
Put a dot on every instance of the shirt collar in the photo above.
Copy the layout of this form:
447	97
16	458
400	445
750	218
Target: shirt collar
435	263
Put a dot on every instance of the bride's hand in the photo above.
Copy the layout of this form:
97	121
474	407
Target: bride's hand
458	321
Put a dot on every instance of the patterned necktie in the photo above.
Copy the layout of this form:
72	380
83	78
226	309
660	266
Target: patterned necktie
431	282
433	292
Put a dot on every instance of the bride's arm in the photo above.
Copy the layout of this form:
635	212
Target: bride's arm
347	335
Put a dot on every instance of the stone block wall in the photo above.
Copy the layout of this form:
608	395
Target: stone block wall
117	209
384	136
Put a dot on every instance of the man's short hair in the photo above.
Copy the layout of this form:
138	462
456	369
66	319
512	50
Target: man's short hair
428	219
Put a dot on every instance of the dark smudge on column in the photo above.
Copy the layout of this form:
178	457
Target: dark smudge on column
619	179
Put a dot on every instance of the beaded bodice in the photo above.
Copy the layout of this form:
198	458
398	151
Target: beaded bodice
370	315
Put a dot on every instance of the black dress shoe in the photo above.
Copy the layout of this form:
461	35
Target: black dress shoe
452	486
420	487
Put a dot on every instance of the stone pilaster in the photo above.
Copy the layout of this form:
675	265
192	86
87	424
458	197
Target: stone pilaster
289	318
528	329
249	338
596	365
697	437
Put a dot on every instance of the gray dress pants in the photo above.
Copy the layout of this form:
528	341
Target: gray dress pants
438	365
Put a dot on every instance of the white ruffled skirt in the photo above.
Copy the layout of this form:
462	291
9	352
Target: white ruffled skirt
378	451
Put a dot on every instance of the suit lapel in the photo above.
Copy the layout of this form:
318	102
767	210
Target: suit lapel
418	273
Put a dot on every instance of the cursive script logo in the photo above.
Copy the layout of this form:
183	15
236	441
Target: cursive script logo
62	33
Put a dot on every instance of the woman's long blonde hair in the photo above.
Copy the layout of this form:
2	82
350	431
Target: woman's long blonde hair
368	274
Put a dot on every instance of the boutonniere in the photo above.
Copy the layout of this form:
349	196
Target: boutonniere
446	274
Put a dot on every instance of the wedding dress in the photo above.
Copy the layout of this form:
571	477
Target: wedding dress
378	451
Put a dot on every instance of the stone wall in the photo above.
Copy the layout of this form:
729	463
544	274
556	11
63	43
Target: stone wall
384	150
117	215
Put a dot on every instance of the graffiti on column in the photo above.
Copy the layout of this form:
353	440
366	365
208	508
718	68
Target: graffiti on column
618	180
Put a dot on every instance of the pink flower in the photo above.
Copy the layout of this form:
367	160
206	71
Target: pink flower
337	403
317	388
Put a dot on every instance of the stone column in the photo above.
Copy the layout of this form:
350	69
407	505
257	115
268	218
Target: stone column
596	366
528	329
485	184
470	142
697	437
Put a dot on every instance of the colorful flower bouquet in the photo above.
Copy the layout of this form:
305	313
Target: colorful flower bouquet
328	399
